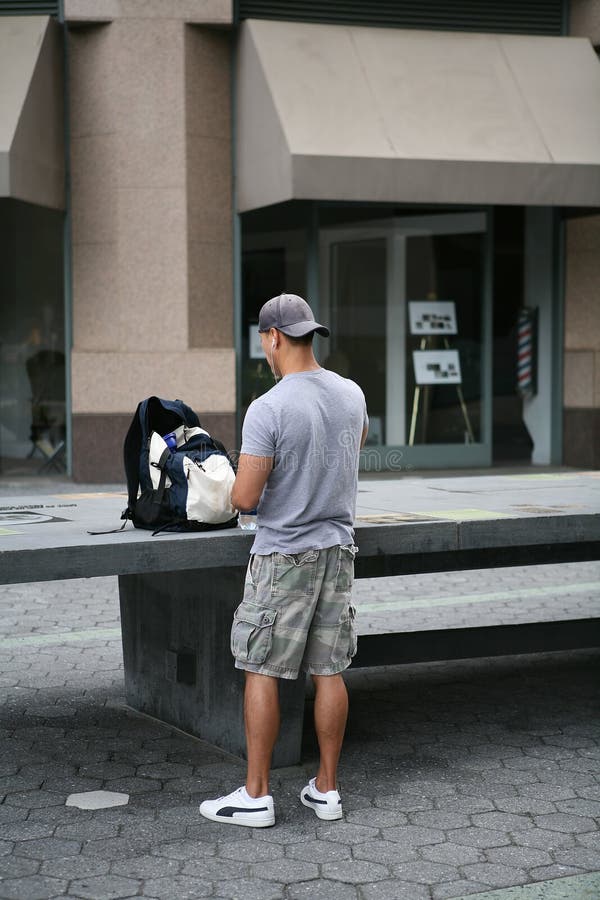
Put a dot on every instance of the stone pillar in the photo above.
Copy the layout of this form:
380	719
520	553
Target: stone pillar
151	219
582	344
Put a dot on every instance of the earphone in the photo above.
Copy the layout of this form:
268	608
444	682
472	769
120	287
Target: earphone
272	364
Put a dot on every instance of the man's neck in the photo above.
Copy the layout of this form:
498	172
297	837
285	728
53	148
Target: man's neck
296	364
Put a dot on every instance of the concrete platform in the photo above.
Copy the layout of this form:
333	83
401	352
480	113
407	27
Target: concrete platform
47	538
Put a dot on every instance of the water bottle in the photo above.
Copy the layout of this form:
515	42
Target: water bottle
170	440
247	520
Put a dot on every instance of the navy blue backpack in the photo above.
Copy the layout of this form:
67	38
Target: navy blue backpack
179	478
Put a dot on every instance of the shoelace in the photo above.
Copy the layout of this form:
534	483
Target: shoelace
226	796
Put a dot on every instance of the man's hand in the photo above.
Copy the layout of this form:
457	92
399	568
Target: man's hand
250	480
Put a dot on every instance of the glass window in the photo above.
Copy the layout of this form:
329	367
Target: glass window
32	357
404	298
273	262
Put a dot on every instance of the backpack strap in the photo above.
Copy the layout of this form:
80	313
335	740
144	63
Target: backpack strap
131	454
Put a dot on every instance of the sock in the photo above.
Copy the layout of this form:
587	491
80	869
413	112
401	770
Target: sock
317	791
250	799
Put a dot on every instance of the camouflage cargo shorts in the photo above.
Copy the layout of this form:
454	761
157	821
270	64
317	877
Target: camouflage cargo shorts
296	614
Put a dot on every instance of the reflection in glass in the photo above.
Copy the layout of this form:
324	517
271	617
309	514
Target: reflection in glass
32	358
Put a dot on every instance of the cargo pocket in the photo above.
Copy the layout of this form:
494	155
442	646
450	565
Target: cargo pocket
252	632
346	640
345	568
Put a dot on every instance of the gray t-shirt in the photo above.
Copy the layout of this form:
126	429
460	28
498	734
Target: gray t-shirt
311	424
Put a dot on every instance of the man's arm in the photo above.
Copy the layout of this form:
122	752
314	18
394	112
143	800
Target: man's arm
363	438
250	480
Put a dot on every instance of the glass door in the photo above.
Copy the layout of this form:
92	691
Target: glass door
408	306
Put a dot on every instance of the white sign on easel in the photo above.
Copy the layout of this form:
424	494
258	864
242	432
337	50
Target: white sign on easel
255	350
432	316
437	367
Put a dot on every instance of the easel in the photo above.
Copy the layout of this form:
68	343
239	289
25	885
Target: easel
425	345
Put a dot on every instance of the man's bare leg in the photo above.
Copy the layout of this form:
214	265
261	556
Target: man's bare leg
261	718
331	713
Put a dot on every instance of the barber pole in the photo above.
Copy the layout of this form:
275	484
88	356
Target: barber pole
526	385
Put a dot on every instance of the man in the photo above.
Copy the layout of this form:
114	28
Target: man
299	464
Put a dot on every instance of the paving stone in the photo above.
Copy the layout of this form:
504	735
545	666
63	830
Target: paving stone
521	857
25	831
501	821
527	806
443	819
457	889
394	890
579	807
115	848
250	851
495	875
285	870
87	831
71	867
355	871
178	814
479	837
565	823
425	871
249	889
454	854
97	799
32	887
488	789
107	770
403	802
177	887
144	867
543	839
589	839
104	887
582	857
152	832
216	869
133	785
48	848
185	849
385	852
318	851
16	866
10	813
550	792
466	805
549	873
322	889
376	818
346	833
13	784
34	799
413	836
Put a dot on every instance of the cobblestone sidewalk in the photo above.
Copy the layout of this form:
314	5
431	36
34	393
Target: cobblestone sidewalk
458	779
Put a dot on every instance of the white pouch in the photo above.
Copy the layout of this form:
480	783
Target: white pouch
209	489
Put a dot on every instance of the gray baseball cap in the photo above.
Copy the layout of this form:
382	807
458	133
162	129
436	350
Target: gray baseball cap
290	314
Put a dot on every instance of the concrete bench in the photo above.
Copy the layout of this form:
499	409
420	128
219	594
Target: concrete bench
178	591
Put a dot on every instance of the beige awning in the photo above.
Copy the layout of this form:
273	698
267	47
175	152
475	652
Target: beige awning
31	111
332	112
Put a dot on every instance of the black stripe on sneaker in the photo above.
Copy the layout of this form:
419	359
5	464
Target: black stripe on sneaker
229	811
314	799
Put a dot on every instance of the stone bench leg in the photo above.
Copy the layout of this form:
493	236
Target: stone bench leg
178	664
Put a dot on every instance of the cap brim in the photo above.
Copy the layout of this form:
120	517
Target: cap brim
302	328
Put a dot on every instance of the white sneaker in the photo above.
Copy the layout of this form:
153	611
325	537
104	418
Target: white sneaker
326	806
238	808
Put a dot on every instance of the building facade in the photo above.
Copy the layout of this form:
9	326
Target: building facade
429	180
